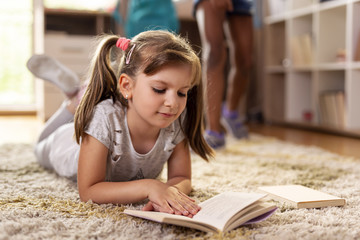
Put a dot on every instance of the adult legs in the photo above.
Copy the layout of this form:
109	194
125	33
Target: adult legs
210	22
239	32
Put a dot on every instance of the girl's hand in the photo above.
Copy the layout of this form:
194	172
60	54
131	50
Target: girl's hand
222	4
165	198
151	206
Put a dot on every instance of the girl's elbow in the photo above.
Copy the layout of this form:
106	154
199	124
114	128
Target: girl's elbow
84	197
84	194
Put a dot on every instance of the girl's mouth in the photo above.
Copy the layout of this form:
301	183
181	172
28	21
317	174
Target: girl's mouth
167	115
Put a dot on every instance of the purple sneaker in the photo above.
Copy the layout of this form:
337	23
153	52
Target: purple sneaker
233	124
214	139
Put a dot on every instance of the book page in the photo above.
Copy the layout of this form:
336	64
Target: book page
219	209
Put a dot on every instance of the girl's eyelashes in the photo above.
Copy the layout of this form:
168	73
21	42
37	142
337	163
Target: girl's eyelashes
160	91
180	94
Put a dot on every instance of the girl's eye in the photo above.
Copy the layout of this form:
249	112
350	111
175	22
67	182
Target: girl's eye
180	94
159	90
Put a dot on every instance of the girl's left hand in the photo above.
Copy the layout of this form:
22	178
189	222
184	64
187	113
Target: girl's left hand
183	200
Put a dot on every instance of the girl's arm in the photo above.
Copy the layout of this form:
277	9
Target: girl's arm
91	177
179	168
92	185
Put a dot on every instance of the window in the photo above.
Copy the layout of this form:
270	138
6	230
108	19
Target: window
16	82
16	45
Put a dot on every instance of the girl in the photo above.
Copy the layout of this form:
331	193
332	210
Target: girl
130	122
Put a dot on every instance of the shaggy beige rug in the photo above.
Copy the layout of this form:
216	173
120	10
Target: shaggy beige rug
37	204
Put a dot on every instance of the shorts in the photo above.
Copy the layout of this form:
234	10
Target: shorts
241	7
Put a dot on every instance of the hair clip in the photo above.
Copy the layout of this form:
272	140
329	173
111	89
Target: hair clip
127	60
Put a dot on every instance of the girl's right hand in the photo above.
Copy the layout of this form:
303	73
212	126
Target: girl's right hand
165	198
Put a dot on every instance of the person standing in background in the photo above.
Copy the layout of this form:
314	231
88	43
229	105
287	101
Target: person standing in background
135	16
232	19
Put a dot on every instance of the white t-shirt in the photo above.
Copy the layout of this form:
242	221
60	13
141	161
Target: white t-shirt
109	126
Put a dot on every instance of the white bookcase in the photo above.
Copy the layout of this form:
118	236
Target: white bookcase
311	51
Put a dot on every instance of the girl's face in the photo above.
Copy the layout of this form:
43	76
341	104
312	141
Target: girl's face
159	99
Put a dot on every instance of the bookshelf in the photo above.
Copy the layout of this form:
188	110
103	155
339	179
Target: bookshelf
312	65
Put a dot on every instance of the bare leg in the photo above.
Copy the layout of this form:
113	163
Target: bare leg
239	32
210	23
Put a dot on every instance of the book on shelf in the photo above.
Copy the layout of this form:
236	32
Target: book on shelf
301	49
296	53
221	213
299	196
332	108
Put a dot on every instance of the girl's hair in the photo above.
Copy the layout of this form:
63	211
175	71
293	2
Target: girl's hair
153	50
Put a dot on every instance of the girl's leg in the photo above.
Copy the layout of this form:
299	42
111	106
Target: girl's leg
51	70
210	23
56	148
59	151
60	117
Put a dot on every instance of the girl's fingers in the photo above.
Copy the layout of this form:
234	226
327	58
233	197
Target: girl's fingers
186	196
148	207
190	205
165	207
185	206
174	202
160	209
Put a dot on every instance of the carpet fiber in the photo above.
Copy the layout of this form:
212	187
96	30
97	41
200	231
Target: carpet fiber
37	204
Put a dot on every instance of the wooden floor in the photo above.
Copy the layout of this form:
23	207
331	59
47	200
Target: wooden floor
24	129
347	146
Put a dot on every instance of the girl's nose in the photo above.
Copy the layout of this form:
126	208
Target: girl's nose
171	100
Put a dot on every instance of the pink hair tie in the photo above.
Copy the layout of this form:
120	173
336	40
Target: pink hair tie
123	43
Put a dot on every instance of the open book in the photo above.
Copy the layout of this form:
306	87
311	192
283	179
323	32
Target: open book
221	213
302	197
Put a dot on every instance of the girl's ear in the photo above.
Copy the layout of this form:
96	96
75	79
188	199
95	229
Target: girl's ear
126	85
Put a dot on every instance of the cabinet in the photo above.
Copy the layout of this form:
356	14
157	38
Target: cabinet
310	54
66	35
